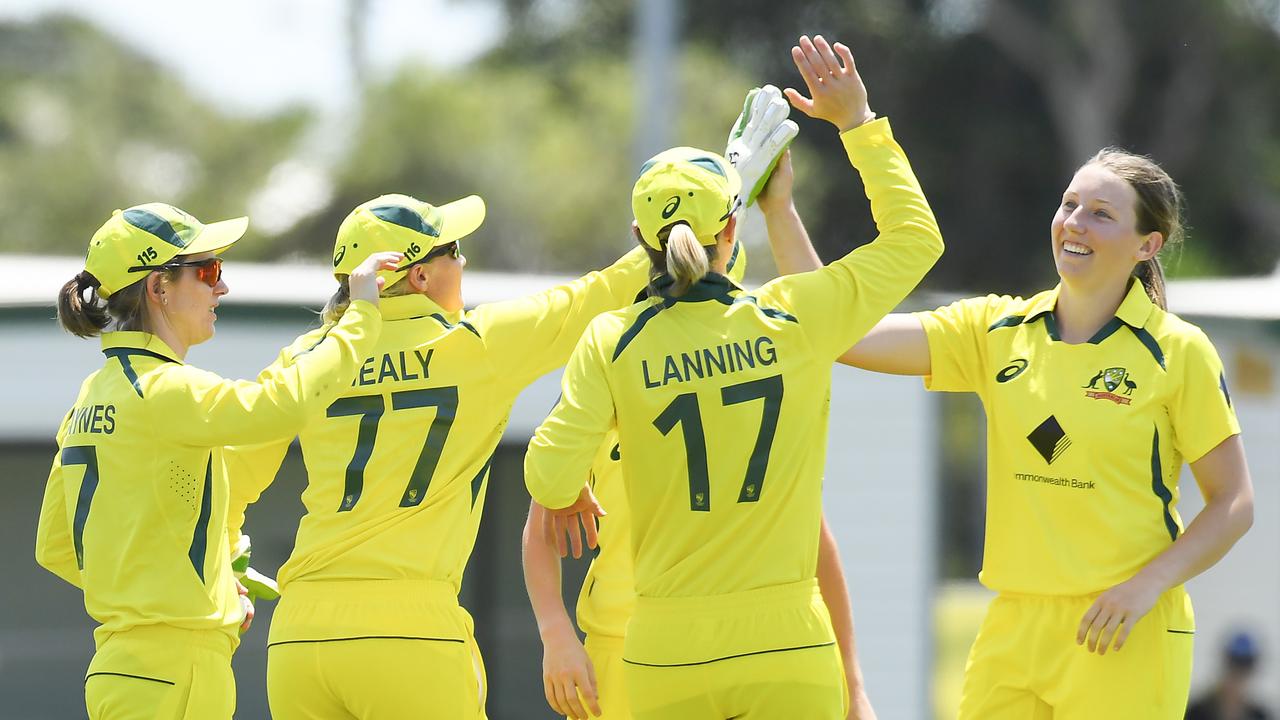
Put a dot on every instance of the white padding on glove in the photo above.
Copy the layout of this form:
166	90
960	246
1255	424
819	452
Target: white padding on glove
758	139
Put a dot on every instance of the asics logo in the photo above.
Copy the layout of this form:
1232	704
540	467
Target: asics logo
672	205
1012	370
337	257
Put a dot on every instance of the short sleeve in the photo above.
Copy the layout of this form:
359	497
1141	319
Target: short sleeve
1200	409
957	336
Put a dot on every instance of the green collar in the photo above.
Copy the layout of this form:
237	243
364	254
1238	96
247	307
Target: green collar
713	286
130	340
401	307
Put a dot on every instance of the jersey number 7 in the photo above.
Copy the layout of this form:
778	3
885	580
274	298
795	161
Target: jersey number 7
684	411
370	409
86	455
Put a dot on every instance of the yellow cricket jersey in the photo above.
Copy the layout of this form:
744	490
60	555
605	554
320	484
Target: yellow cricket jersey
608	595
720	399
397	466
1084	442
135	510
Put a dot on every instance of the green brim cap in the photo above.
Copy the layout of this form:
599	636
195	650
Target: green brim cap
403	224
688	185
149	235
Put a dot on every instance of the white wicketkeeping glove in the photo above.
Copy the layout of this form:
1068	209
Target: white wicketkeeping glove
260	586
758	139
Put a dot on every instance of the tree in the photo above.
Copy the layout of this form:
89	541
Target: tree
88	125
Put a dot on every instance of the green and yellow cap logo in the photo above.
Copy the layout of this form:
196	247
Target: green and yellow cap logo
685	184
133	241
399	223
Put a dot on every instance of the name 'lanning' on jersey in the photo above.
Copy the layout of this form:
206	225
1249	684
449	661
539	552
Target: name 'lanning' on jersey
720	399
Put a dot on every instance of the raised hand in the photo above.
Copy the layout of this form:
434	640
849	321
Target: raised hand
837	93
776	193
364	283
758	139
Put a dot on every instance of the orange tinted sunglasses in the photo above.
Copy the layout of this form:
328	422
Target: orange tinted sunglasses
208	271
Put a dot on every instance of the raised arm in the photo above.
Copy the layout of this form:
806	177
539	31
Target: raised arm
839	303
558	462
566	669
216	412
897	344
788	239
534	335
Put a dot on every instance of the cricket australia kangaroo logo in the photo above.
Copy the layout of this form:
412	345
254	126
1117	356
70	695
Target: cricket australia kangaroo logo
1112	379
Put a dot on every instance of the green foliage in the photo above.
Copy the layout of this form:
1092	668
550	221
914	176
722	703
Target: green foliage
549	151
996	101
87	126
999	101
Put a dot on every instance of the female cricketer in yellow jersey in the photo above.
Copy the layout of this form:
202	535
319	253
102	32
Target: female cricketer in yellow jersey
720	400
581	678
1095	395
369	624
588	679
135	511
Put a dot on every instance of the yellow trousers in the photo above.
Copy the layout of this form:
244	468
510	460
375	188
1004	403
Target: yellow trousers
763	653
158	672
374	678
802	683
1025	663
373	650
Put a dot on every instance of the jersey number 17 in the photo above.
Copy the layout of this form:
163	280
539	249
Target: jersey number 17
684	411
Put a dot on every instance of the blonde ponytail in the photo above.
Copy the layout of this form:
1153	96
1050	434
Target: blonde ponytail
687	260
338	303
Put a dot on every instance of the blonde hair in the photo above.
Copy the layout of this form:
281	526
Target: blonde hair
683	258
687	259
341	298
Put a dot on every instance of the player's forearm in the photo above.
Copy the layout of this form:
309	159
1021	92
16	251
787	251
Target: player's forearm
55	549
897	345
835	593
542	578
789	240
1223	521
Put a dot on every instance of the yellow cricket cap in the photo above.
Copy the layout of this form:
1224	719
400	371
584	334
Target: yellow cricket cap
134	241
399	223
685	184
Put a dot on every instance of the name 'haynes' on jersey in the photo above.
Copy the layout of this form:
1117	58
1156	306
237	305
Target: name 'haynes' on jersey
723	359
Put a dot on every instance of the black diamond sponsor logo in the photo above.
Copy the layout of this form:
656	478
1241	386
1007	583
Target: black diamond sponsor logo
1049	439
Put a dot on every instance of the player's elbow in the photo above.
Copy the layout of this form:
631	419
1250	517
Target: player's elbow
1242	513
59	564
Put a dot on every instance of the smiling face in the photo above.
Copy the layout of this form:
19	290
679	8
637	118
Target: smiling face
1095	236
189	303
